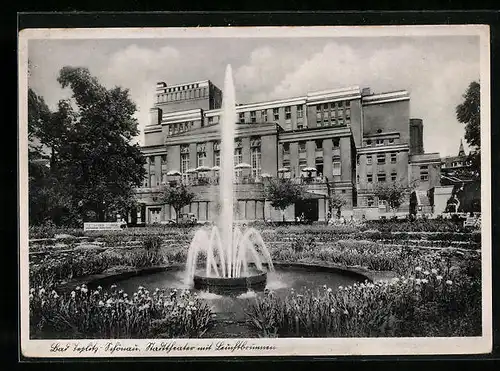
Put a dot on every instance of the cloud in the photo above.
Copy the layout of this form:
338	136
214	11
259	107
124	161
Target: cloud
264	69
138	69
435	77
435	71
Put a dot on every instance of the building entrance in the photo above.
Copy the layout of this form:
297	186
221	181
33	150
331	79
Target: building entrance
309	209
155	215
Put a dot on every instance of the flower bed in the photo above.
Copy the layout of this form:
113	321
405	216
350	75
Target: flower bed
112	314
423	304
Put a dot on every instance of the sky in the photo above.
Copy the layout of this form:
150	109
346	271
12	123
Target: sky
436	70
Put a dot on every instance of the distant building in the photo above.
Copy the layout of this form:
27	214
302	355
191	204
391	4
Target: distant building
458	176
353	138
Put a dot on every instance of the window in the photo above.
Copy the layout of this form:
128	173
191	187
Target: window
201	159
288	113
253	116
319	144
381	177
347	103
151	159
184	162
379	142
263	115
300	112
242	117
343	191
163	159
391	140
393	157
302	146
347	112
369	142
336	142
370	201
300	125
286	148
255	159
238	159
336	167
201	154
276	114
369	178
238	156
217	158
394	175
368	159
424	173
210	120
318	113
381	158
302	164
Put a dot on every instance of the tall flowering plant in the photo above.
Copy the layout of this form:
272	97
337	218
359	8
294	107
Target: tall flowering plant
105	314
425	303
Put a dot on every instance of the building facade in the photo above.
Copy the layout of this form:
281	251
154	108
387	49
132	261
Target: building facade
352	138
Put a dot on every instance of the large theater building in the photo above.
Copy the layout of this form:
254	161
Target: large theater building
354	140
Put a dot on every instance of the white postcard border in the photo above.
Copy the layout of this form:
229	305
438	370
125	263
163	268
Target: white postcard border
280	346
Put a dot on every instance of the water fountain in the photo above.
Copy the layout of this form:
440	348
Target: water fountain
234	258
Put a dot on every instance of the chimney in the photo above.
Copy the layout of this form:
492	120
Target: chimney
416	137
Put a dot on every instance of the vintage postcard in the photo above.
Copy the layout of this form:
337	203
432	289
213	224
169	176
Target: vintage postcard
255	191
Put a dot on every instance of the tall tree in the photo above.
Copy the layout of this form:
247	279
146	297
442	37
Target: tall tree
177	197
469	113
90	137
283	193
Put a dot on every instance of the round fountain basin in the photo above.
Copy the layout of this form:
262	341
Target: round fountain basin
256	280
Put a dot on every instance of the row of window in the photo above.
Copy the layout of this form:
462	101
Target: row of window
276	114
333	114
201	157
182	94
381	158
382	177
302	145
379	142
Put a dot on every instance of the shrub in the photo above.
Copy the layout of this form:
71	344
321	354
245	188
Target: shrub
112	314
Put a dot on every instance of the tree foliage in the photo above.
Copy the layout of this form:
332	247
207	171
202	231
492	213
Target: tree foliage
393	193
336	202
283	193
177	197
469	113
89	139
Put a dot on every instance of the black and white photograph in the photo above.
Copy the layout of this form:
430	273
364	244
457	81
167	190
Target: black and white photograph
258	191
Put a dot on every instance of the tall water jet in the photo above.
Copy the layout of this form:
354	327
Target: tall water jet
229	253
227	130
